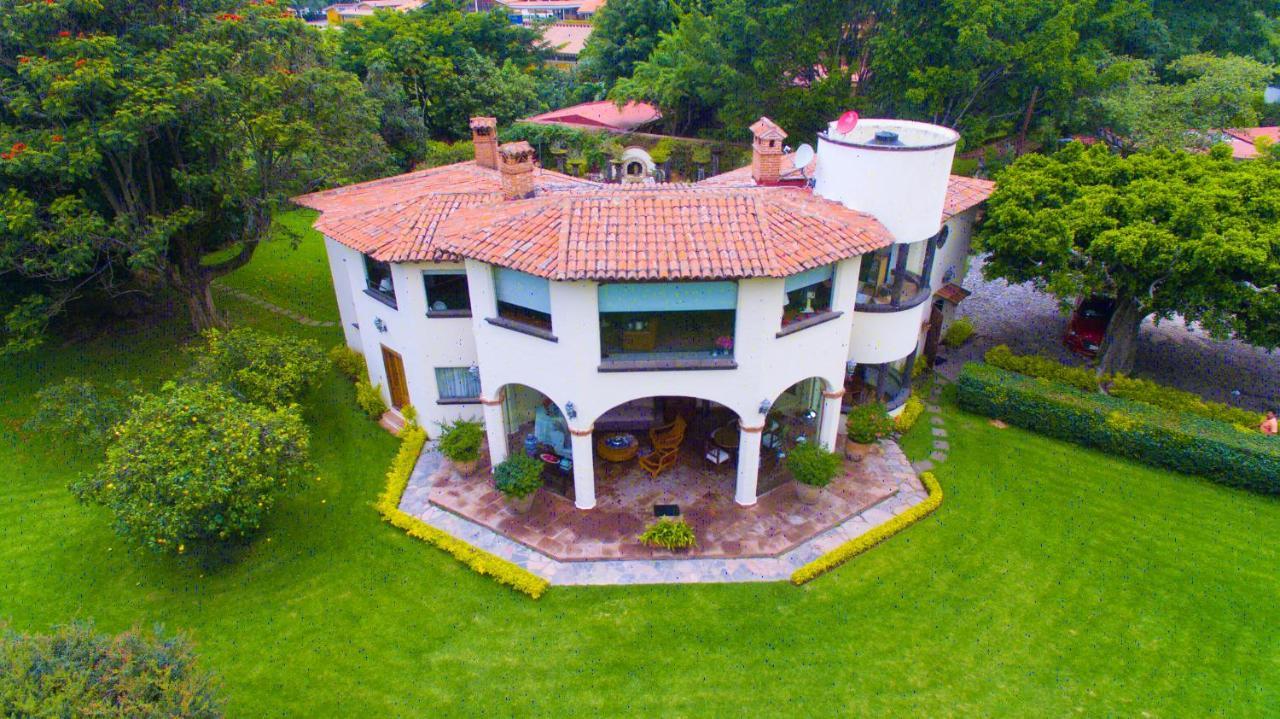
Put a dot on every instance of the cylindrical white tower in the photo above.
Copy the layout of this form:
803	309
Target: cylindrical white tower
894	170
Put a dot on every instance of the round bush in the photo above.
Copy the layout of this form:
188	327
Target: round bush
519	476
812	465
194	465
868	423
460	440
74	671
257	366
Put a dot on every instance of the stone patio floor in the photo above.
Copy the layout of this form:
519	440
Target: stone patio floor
794	534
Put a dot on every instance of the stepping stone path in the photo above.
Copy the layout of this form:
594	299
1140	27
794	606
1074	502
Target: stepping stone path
295	316
940	444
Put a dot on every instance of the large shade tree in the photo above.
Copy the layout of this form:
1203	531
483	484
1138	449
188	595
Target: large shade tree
1167	234
623	33
139	136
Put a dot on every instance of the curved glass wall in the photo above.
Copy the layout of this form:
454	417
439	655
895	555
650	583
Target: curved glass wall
889	382
892	277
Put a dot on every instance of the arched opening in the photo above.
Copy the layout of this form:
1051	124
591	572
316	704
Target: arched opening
535	426
794	418
635	169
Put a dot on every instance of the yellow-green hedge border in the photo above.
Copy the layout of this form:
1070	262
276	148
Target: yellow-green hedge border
481	562
858	545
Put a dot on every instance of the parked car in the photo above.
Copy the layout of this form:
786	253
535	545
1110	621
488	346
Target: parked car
1088	325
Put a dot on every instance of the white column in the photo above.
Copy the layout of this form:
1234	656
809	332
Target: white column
748	465
495	429
584	469
830	429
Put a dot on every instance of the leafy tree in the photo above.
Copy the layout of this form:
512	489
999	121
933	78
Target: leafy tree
143	135
258	367
81	411
1204	94
623	33
452	65
76	671
1168	234
193	465
1238	27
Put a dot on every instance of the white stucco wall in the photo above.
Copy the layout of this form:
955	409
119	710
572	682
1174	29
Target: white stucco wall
952	254
339	257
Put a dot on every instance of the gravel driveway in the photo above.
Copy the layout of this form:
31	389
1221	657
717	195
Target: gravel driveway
1170	353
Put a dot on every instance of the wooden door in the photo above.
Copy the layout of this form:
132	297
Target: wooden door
934	336
396	383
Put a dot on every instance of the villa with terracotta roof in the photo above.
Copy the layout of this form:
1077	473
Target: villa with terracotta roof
573	317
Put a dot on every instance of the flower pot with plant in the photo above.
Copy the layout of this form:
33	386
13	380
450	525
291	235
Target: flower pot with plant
460	442
867	424
813	468
519	478
671	534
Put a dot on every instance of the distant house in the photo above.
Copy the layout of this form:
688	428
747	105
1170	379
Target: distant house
529	10
1243	140
355	11
601	115
565	40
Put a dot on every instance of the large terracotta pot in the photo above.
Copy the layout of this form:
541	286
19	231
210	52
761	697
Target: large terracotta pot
856	450
807	493
521	505
466	469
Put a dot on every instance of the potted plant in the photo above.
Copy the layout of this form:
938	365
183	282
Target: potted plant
519	478
671	534
813	468
866	425
460	444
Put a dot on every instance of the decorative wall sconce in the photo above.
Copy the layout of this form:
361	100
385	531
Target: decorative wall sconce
378	323
764	406
570	410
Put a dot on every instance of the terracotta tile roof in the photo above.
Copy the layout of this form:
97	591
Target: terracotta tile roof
964	193
566	38
1242	140
603	113
663	232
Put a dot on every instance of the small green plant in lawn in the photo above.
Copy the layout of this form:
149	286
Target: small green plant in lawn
74	671
518	477
958	332
81	411
349	362
460	440
672	534
193	465
812	465
257	366
868	423
369	398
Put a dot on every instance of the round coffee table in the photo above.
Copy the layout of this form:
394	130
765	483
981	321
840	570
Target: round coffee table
617	447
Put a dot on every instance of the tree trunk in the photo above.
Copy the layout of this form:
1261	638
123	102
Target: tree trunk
1120	344
199	295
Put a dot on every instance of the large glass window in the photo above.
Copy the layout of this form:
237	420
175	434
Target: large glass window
668	320
889	382
447	293
892	275
808	294
458	383
377	277
523	298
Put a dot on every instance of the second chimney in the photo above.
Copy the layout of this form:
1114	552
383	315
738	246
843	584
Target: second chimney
516	166
766	151
484	136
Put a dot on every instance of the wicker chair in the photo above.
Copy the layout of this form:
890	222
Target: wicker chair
659	461
668	436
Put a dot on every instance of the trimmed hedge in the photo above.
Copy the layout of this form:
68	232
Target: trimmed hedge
909	415
876	535
1138	390
1174	440
481	562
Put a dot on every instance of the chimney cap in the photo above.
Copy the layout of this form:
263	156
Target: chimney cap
516	151
484	122
766	129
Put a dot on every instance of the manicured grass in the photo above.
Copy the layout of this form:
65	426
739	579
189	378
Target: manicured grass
1052	581
289	273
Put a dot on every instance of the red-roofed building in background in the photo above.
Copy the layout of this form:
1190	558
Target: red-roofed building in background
601	115
574	316
1244	140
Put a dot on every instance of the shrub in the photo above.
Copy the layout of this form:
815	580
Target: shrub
669	534
876	535
460	440
258	367
518	476
868	423
194	465
910	414
80	411
75	671
1180	441
812	465
349	363
958	332
479	561
1081	378
369	397
439	153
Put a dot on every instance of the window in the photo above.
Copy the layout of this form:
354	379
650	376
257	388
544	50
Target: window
668	321
458	384
808	294
523	300
377	277
892	276
942	237
447	293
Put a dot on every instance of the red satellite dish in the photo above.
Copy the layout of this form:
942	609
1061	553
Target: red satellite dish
847	122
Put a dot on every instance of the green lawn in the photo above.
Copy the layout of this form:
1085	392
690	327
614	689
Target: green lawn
1052	581
287	273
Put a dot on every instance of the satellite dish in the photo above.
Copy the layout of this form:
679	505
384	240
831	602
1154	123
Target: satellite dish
803	156
847	122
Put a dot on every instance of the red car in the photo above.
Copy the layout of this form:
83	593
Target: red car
1088	325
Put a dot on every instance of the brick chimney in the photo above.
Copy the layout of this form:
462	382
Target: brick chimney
484	135
766	151
516	165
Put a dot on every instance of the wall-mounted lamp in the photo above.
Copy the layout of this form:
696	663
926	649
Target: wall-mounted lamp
378	323
764	406
474	370
850	367
570	410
